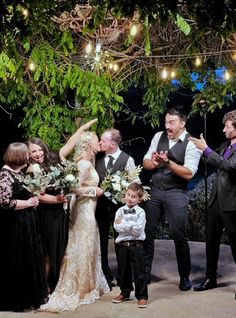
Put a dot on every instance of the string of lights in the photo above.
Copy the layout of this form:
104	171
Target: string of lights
99	55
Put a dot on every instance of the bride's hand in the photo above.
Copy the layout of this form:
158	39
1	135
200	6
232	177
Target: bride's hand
99	192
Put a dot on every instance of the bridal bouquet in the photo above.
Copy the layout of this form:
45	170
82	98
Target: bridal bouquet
65	176
36	182
115	185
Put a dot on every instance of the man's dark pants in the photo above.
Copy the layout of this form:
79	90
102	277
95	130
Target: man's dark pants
217	221
174	202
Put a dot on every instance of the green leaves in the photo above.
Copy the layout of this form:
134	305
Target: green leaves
182	24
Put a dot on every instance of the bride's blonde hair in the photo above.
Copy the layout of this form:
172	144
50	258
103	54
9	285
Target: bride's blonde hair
84	145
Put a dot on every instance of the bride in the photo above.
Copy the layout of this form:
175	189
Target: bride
81	278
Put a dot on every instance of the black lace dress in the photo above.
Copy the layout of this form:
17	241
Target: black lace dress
22	275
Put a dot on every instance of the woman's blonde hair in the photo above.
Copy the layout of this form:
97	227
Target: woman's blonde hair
83	145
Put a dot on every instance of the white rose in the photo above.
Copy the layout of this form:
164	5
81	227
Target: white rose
124	184
69	177
116	178
36	169
116	186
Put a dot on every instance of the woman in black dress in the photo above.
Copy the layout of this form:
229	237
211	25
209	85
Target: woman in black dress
22	274
53	218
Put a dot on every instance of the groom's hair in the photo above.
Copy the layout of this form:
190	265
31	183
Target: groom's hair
115	135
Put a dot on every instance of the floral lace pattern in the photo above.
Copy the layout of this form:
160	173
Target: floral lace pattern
6	190
81	278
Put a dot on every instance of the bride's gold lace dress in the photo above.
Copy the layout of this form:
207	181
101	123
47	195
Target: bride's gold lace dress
81	278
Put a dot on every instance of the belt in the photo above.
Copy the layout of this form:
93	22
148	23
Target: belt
130	243
160	187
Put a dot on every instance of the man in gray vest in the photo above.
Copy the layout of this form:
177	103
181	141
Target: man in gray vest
113	160
173	160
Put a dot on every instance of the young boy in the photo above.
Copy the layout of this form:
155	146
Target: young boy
130	224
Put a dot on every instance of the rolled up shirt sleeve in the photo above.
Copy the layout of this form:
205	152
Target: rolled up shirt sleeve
192	157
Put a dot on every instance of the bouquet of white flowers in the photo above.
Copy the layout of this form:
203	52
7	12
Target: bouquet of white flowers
36	182
65	176
115	185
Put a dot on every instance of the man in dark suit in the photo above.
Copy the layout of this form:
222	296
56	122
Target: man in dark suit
222	202
113	160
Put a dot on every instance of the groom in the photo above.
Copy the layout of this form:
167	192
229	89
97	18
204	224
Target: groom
112	159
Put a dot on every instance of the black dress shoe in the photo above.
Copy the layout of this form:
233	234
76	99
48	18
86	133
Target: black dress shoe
206	284
185	284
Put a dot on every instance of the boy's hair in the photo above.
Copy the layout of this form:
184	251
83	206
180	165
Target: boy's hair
137	187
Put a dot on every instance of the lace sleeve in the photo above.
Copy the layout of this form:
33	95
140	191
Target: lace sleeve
6	190
84	190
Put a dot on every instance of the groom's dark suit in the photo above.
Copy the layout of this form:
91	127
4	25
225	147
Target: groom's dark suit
105	212
222	206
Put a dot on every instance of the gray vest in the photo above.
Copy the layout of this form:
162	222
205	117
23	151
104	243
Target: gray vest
163	177
120	165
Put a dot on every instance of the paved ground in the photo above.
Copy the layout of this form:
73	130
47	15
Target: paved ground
166	300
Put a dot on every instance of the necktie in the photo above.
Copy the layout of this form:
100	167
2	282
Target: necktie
110	163
129	211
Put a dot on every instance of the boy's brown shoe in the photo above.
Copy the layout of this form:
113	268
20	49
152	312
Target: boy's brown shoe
119	299
142	303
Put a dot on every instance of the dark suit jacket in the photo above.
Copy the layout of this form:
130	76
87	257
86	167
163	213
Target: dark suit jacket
224	188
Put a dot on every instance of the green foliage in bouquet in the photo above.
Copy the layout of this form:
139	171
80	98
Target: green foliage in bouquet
115	185
36	182
65	176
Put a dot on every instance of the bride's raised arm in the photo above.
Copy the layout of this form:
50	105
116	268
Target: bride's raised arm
71	142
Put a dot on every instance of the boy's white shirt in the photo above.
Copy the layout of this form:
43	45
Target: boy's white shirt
132	226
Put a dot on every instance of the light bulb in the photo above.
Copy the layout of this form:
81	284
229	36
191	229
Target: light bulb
133	30
198	61
88	48
115	67
32	66
110	66
25	12
98	47
164	74
173	74
227	75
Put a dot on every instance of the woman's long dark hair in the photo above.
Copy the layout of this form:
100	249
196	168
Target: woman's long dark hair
51	157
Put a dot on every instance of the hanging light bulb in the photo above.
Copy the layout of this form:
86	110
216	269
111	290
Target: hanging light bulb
98	47
133	30
227	75
234	56
115	67
164	74
88	48
198	61
110	66
25	12
32	66
172	74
